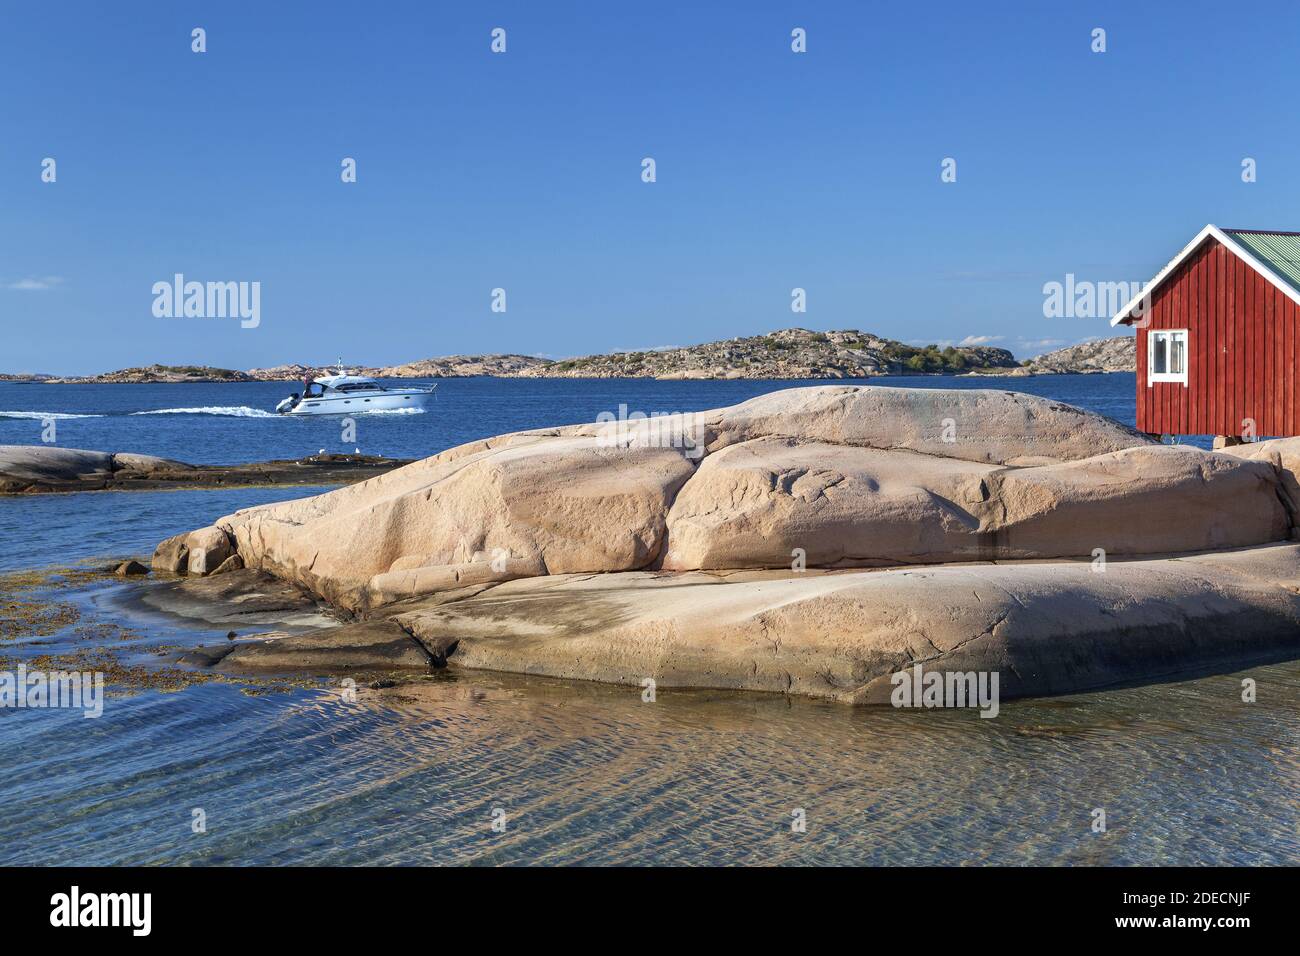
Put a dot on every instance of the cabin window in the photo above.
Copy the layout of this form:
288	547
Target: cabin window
1167	356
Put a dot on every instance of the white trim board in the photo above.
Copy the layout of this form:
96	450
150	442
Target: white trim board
1237	249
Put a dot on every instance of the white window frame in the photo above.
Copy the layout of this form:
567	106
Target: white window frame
1154	376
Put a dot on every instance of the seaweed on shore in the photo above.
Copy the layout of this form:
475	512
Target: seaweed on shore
21	618
25	616
27	610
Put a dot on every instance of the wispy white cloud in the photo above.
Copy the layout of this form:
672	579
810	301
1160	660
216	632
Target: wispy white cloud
981	339
35	283
1033	347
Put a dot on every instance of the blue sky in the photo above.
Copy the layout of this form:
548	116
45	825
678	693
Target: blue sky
523	170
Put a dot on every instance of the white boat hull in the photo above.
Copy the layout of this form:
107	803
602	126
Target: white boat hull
354	403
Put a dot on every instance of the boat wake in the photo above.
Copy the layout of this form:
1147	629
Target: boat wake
41	416
235	411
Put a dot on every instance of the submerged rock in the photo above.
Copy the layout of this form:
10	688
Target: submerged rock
241	598
373	645
206	655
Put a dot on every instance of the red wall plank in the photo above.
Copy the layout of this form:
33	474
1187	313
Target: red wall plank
1288	365
1243	347
1267	426
1258	339
1279	360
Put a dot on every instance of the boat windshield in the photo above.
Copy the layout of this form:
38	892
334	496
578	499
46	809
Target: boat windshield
358	387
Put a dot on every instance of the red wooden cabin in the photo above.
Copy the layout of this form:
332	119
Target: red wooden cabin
1217	337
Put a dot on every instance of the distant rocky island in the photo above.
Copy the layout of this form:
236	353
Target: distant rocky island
788	353
448	366
157	374
784	354
1117	354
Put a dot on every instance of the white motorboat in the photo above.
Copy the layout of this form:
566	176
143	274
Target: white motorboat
344	394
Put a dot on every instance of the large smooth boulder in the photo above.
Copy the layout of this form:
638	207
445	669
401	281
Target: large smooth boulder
555	504
758	503
992	426
1042	628
1157	499
853	475
622	550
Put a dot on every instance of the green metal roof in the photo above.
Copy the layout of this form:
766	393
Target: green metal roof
1279	251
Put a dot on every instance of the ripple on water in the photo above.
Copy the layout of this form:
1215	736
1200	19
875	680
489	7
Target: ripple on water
591	774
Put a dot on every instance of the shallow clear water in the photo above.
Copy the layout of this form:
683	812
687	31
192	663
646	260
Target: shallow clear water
1187	773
